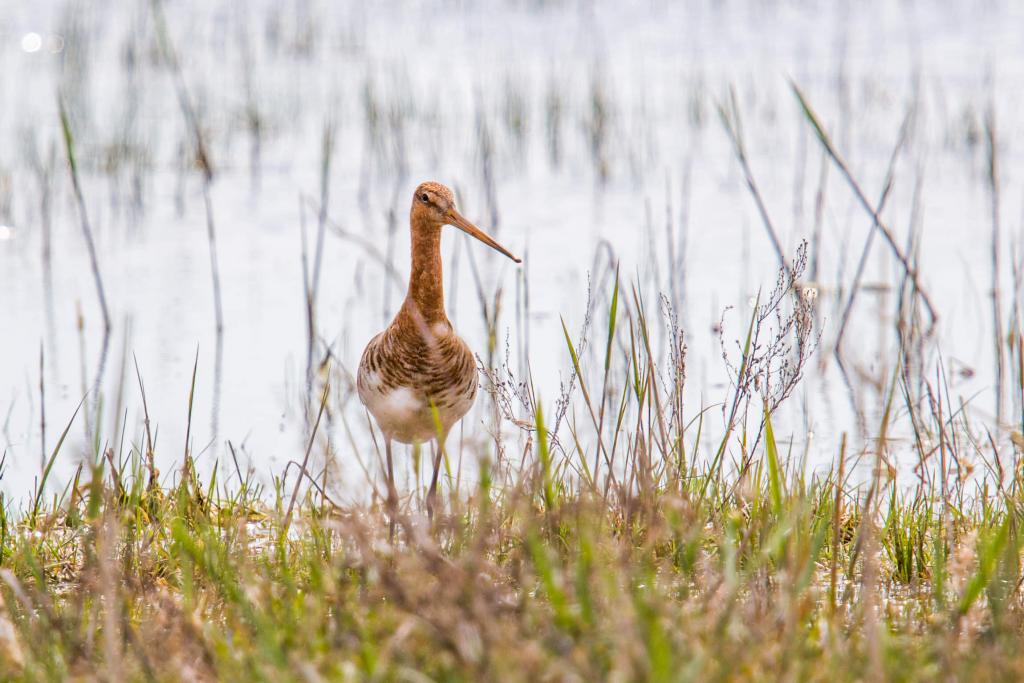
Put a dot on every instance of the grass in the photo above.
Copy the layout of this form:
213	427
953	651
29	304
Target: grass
661	567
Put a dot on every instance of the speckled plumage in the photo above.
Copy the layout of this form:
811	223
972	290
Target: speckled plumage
418	363
410	366
419	360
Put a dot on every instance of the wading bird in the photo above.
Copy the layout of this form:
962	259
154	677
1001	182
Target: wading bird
417	377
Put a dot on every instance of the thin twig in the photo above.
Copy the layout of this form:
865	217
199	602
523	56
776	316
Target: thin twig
883	198
366	245
69	147
150	464
42	408
305	459
908	267
186	469
202	156
997	316
730	119
311	281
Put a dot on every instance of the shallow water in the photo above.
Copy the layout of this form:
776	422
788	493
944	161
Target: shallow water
470	96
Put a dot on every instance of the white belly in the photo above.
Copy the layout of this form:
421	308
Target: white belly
404	414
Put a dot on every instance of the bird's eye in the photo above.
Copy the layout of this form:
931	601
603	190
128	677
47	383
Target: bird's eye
424	197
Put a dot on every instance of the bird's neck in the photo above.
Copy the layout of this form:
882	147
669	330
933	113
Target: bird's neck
426	287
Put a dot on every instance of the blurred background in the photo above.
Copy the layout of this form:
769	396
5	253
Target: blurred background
586	136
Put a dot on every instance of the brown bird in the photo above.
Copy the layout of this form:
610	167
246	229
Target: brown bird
417	377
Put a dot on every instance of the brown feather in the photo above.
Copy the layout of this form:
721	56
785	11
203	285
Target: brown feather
419	355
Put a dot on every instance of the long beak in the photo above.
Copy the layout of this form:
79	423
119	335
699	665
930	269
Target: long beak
465	226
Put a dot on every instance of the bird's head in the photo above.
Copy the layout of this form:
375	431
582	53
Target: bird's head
433	204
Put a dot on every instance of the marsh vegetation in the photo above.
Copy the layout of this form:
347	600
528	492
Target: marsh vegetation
752	409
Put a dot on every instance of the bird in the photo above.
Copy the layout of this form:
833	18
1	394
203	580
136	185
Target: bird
417	377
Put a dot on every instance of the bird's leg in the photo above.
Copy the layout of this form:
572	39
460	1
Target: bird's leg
392	493
437	446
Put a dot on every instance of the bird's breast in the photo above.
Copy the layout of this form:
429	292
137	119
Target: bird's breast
403	381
